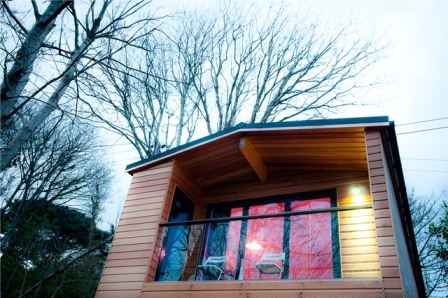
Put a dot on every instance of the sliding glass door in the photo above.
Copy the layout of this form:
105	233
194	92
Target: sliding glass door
281	246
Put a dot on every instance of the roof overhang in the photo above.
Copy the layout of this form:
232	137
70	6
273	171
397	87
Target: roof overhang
379	121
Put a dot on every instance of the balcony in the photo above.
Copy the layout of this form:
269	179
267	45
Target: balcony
285	239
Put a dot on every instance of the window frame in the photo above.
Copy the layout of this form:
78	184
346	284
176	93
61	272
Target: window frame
189	211
287	199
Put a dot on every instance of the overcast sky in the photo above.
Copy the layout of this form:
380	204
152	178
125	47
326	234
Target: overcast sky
417	36
415	71
415	77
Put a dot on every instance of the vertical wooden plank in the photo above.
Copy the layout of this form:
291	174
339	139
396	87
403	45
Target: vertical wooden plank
387	249
196	235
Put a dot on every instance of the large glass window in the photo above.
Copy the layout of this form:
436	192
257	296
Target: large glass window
285	237
311	245
273	247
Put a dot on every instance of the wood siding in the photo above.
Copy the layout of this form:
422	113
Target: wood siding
369	288
369	260
357	236
407	274
129	258
179	178
387	248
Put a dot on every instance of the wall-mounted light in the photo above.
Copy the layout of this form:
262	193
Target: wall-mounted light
358	195
359	200
356	190
253	245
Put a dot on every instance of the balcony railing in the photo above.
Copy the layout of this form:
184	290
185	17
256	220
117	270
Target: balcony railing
305	244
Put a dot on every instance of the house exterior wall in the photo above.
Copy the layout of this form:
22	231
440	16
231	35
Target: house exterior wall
407	274
359	250
382	196
129	259
131	265
357	237
328	288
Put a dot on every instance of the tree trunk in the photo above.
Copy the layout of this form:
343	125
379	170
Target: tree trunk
16	79
25	132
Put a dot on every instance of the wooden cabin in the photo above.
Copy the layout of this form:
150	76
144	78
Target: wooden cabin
312	208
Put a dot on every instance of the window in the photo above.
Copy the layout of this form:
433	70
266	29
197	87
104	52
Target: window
174	252
285	245
284	237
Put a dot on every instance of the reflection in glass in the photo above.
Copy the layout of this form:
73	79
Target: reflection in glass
304	246
174	252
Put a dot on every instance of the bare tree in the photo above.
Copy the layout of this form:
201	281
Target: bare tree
277	70
213	72
132	102
57	171
56	165
93	38
34	39
430	220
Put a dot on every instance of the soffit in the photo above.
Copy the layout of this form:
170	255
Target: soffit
296	151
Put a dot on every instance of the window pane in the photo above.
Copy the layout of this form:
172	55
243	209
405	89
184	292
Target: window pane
174	253
264	236
284	247
233	241
222	240
311	253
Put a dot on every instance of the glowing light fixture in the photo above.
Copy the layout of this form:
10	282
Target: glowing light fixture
358	196
253	246
356	190
358	200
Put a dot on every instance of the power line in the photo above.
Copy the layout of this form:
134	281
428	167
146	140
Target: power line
425	159
422	130
431	171
422	121
113	145
403	124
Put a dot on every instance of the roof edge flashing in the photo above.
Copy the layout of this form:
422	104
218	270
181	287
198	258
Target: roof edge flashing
379	121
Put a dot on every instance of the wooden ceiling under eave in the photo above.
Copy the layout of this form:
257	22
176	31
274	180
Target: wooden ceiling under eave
292	152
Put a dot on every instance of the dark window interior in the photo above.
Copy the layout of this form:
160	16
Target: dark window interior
173	255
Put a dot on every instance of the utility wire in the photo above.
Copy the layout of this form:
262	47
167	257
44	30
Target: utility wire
422	130
403	124
425	159
422	121
418	170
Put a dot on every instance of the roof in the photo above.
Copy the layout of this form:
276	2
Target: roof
288	125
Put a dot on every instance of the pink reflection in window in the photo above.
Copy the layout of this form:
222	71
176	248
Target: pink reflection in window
264	235
311	254
233	241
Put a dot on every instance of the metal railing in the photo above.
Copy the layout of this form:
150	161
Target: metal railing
306	243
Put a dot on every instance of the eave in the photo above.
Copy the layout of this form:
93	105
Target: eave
380	121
